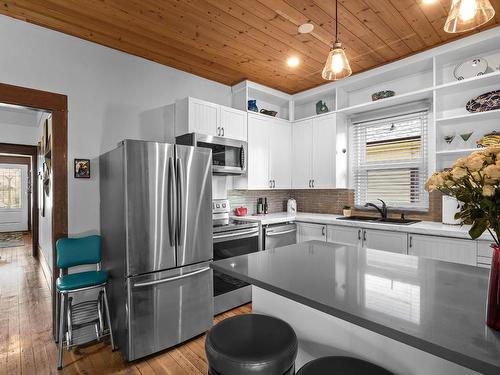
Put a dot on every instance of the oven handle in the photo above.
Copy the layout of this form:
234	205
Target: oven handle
169	279
237	234
271	234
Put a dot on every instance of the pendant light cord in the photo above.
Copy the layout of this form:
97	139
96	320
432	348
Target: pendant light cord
336	21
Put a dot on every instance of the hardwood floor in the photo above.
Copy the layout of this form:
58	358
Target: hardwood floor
26	345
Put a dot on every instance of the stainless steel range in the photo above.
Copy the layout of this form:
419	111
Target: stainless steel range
231	238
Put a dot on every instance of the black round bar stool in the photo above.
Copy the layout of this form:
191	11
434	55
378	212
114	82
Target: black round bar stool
251	344
341	366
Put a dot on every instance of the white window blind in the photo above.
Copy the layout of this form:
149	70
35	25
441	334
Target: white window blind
390	161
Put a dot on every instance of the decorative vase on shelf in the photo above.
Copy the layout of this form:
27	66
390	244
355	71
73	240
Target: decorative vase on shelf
493	305
321	107
252	105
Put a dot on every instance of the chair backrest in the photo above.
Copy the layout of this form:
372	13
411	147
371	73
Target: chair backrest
73	252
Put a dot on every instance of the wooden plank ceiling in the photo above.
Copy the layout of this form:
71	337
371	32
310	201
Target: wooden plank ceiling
232	40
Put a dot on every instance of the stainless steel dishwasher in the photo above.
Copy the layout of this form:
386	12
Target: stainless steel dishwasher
277	235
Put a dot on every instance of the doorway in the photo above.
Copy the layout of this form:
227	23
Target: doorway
51	179
15	194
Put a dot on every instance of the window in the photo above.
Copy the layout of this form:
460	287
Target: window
10	188
390	161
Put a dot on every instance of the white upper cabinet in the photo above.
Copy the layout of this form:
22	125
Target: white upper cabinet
198	116
233	123
269	154
301	156
314	153
280	150
442	248
203	117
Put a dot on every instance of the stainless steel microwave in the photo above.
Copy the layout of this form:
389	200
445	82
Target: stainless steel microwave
228	155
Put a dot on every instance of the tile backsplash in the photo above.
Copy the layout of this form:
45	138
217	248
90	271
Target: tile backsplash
325	201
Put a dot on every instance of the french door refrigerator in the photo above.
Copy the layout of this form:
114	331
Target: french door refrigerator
156	225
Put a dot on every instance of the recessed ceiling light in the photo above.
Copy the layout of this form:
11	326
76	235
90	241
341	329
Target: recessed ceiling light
293	61
306	28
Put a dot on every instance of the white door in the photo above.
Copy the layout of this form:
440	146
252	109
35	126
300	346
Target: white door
301	154
258	153
233	123
395	242
443	248
203	117
309	232
280	150
323	152
13	197
344	235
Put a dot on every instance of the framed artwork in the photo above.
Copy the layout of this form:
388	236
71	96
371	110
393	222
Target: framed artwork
82	168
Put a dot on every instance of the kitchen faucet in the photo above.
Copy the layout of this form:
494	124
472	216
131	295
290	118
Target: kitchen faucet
382	210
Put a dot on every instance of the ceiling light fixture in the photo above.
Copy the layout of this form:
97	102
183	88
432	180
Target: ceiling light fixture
336	66
293	61
306	28
466	15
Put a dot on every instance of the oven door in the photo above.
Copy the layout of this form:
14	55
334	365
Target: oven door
228	155
228	245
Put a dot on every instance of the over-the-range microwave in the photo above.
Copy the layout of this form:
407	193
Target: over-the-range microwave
228	155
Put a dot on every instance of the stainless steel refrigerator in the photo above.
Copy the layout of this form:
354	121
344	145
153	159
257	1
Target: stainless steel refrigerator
156	223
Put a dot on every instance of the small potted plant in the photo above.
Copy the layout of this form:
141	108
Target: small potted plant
347	211
475	181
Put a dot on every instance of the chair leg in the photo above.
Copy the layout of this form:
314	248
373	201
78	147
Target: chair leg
61	332
58	307
108	318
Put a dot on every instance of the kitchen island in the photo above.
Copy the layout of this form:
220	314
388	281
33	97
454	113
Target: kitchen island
410	315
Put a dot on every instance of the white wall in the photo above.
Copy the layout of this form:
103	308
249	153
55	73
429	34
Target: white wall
18	127
111	96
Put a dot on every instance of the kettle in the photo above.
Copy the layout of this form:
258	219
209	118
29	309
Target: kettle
291	207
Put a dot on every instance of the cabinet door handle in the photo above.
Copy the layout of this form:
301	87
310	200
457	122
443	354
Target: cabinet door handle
364	235
310	183
323	231
270	184
218	130
411	241
274	184
359	234
222	132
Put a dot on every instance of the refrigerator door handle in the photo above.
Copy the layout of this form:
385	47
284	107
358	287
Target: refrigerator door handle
169	279
180	199
171	201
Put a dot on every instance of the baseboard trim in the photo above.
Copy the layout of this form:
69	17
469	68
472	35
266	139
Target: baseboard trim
47	273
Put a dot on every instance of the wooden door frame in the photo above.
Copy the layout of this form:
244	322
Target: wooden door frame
57	104
32	203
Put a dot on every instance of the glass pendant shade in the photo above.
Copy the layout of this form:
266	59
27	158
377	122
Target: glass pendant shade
466	15
336	66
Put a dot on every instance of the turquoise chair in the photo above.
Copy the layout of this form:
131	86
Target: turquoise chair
72	252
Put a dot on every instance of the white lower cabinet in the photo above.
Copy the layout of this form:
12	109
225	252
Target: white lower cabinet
309	232
344	235
484	254
395	242
443	248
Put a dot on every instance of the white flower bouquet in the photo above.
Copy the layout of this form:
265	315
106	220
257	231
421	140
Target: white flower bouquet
475	181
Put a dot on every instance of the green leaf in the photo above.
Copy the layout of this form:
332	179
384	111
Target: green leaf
478	228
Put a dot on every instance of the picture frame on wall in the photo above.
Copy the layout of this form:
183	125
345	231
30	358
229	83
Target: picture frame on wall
82	168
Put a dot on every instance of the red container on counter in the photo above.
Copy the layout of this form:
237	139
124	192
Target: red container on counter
241	211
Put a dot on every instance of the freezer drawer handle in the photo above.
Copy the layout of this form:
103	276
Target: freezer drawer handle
270	234
235	234
156	282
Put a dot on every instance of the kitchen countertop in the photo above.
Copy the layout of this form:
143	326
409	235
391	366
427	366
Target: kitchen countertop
434	306
423	227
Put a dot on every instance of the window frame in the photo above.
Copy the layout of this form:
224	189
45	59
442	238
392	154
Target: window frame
423	164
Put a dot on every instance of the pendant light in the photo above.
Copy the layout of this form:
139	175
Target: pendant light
336	66
466	15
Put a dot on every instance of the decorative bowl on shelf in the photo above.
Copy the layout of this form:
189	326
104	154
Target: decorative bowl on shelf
485	102
382	94
268	112
490	139
471	68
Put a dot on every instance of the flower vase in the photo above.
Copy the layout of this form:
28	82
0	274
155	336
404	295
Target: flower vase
493	304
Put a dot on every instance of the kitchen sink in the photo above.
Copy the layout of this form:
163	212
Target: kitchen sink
379	220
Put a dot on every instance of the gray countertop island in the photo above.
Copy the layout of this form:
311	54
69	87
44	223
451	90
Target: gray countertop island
435	307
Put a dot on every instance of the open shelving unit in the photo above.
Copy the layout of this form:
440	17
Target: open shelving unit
427	76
